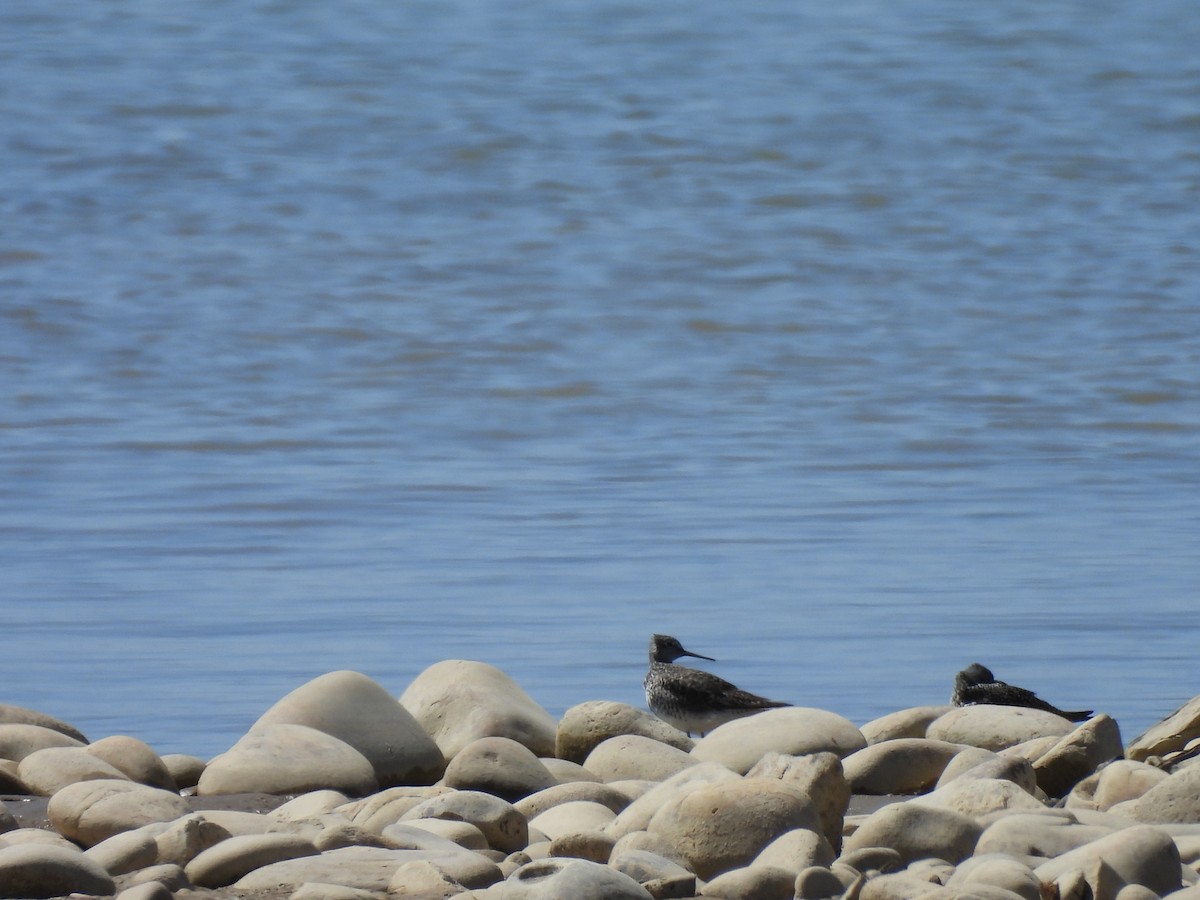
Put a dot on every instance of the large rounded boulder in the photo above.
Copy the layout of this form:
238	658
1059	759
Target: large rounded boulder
458	701
358	711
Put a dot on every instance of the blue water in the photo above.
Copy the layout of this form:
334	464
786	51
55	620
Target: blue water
850	345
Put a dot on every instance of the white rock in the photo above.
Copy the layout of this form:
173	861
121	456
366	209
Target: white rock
723	826
596	792
18	740
796	850
792	730
569	818
979	797
628	756
288	759
48	870
90	811
1171	734
997	727
459	701
358	711
1176	799
46	771
637	815
587	725
1142	855
577	879
135	759
1078	754
899	766
996	870
230	860
369	868
505	829
913	722
917	831
500	766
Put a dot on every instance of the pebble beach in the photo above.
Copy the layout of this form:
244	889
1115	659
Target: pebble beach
465	787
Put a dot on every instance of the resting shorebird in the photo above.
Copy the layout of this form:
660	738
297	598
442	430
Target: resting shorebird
691	700
976	684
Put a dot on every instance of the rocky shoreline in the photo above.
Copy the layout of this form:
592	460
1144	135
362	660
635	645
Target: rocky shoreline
466	787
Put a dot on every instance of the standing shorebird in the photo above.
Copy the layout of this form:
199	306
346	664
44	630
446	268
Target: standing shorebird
976	684
691	700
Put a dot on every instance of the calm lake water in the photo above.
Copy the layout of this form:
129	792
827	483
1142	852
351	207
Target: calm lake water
849	343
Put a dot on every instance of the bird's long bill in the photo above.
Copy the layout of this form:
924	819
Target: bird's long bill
696	655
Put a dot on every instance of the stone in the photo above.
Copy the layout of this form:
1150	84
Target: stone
1168	736
792	730
186	838
170	876
288	759
552	879
237	821
587	725
996	870
644	841
796	850
1125	780
371	868
753	883
904	886
459	701
918	831
10	781
355	709
997	727
126	852
377	811
629	756
1175	799
637	815
500	766
311	805
871	859
569	818
185	769
899	766
596	792
1141	854
979	797
18	740
590	845
506	829
19	715
567	772
419	880
723	826
135	759
975	762
32	835
904	723
344	834
1042	835
48	870
231	859
661	876
821	777
46	771
818	883
1078	754
87	812
148	890
464	834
